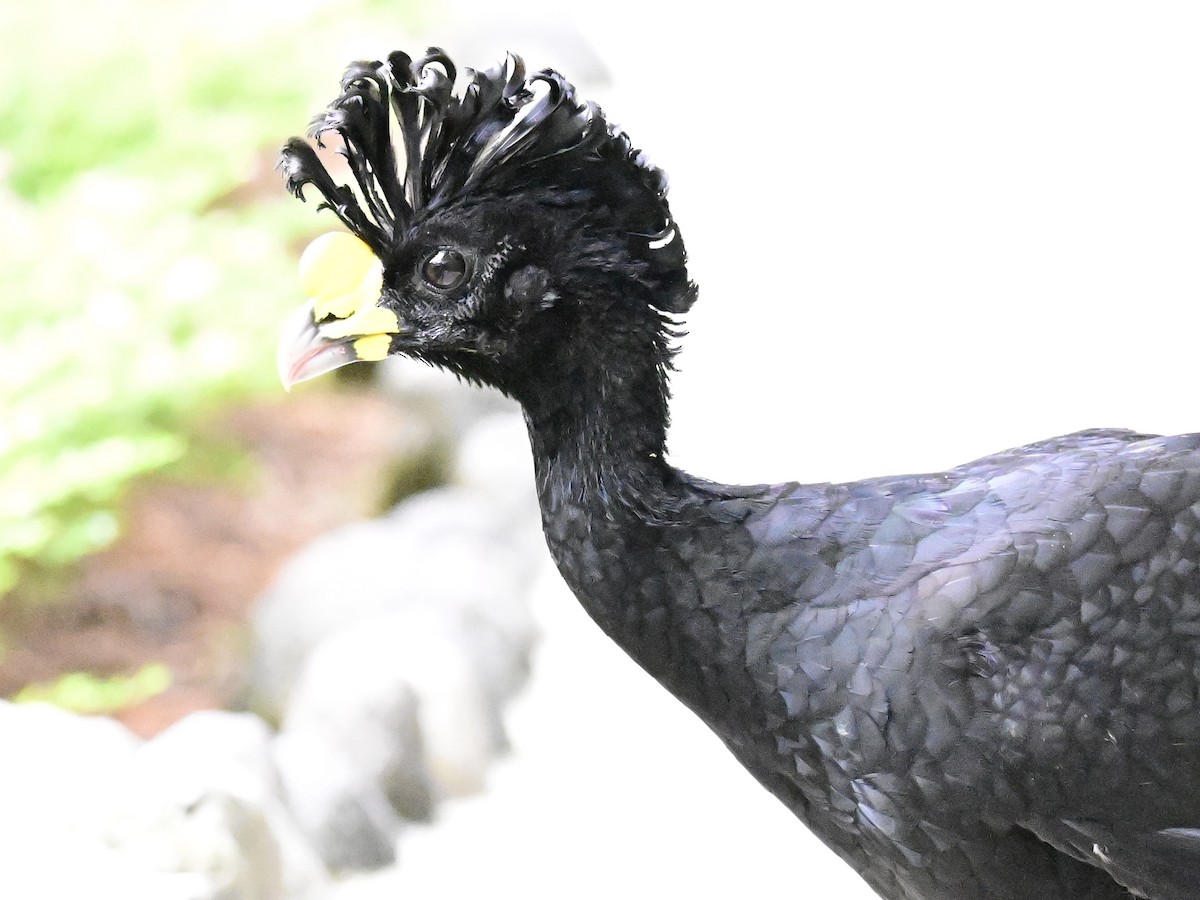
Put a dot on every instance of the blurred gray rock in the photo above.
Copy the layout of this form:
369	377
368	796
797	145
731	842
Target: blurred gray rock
349	698
57	789
387	650
201	802
193	814
455	666
493	458
343	812
453	404
58	766
448	548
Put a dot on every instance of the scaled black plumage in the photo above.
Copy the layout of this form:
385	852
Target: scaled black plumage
981	683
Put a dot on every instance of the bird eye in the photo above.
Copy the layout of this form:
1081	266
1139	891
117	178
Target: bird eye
445	270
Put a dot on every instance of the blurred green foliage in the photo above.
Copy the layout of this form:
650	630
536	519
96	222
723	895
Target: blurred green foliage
88	694
147	250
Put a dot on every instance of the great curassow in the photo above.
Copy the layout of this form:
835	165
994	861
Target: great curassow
981	683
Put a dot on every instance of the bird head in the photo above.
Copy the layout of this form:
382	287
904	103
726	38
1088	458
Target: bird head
497	227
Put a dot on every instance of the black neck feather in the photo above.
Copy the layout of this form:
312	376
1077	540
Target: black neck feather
615	512
598	421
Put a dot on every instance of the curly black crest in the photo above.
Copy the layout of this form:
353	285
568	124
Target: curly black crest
469	134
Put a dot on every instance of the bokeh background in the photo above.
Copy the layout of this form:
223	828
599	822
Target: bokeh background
922	232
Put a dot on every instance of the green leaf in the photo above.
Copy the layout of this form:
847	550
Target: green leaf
87	694
148	254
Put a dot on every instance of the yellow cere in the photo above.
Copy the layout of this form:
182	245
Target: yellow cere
340	274
372	320
373	347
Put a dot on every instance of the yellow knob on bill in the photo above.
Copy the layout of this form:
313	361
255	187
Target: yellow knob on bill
343	321
340	274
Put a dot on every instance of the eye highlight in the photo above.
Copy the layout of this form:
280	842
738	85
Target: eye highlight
446	269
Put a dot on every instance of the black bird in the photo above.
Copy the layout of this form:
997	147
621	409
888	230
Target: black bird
980	683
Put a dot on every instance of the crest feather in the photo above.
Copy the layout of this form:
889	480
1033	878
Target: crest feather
418	135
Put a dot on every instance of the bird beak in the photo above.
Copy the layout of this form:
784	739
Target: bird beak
342	322
307	349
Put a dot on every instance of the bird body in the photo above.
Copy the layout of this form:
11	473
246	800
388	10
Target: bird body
982	683
962	682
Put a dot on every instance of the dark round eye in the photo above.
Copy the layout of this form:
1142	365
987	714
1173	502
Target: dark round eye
445	270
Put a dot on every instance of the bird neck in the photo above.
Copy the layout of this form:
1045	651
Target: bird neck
618	521
597	426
